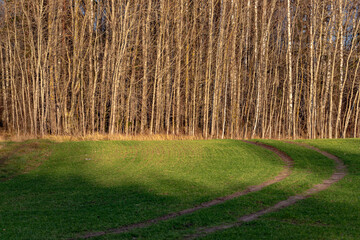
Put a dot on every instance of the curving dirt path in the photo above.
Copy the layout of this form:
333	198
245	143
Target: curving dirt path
340	172
282	175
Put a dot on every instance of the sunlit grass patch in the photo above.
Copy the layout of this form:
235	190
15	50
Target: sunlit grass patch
89	186
309	168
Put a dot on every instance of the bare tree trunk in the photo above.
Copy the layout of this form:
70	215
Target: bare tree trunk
291	131
328	77
357	115
341	85
132	82
208	70
169	84
218	67
179	39
158	78
160	71
146	42
310	117
351	101
255	75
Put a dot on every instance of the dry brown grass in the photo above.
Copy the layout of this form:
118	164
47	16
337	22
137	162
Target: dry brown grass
98	137
103	137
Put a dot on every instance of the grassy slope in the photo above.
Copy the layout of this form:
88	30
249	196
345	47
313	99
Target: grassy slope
310	168
331	214
97	185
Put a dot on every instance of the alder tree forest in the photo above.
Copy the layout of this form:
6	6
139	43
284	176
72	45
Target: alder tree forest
209	68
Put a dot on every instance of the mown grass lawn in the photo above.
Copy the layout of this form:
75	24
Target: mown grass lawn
89	186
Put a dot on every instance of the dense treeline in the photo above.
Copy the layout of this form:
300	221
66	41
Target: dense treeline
250	68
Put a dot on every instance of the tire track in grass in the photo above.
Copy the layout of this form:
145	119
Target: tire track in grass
340	172
281	176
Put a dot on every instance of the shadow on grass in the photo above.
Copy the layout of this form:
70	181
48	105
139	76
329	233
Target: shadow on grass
59	206
48	207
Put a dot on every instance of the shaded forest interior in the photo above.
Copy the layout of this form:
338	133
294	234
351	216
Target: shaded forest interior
215	68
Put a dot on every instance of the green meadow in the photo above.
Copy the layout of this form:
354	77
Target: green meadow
62	190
